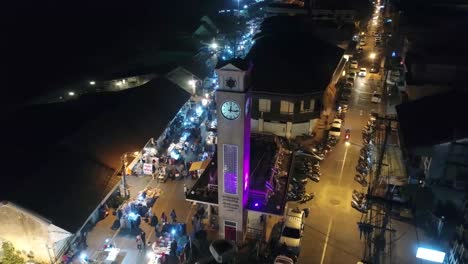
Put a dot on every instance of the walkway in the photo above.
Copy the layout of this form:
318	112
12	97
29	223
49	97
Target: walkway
171	198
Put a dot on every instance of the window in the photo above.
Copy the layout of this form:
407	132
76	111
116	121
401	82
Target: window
230	168
287	107
309	108
264	105
312	105
292	232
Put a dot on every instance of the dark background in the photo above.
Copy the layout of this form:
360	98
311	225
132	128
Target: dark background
48	44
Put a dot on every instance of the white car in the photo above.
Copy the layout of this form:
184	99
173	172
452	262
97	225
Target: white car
281	259
362	42
376	98
354	64
338	121
293	227
335	130
362	72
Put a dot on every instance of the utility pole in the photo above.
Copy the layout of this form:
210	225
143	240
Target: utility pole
375	241
124	176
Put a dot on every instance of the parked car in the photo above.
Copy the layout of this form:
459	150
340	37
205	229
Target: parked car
351	75
362	42
354	64
362	72
292	229
346	93
376	98
335	129
349	85
281	259
338	121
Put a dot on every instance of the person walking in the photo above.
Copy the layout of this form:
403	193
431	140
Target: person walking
154	220
143	238
173	216
185	189
139	243
163	218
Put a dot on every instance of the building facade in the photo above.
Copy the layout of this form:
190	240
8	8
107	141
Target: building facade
32	234
285	115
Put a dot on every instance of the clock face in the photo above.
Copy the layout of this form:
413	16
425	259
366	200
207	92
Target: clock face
230	110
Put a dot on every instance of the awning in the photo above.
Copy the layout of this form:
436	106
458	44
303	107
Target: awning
199	165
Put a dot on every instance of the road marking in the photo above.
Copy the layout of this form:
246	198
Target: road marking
342	165
326	241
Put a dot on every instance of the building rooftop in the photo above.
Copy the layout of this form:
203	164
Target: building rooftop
432	120
265	149
205	189
291	62
62	158
237	62
269	164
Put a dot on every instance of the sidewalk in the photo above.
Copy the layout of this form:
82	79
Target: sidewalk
171	198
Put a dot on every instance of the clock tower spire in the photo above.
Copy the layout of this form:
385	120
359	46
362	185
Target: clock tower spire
233	149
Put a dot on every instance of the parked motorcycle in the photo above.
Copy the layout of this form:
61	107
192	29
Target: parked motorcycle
294	197
314	177
360	180
299	181
307	197
314	172
358	195
360	207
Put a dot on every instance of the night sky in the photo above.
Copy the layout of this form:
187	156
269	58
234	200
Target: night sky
52	43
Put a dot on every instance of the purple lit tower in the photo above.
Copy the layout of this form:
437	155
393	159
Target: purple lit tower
233	105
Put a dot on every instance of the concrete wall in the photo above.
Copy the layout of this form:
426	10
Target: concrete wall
25	232
275	128
288	129
298	129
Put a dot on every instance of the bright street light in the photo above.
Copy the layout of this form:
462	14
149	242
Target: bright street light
192	83
372	56
92	83
214	45
347	143
71	93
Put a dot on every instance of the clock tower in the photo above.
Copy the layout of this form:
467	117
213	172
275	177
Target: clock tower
233	149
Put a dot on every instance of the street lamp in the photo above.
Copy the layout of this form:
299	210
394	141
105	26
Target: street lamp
214	46
124	171
92	83
71	93
193	84
347	143
372	56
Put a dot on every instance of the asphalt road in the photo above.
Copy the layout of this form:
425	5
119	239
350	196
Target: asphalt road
331	234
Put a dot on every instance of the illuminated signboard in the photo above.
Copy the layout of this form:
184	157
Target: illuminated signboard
230	168
430	254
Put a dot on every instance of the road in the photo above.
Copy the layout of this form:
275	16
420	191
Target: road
331	235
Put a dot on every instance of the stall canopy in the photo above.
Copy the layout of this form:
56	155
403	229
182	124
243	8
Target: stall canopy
60	160
200	165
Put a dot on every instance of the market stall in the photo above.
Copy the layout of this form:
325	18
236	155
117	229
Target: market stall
172	240
130	212
199	166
